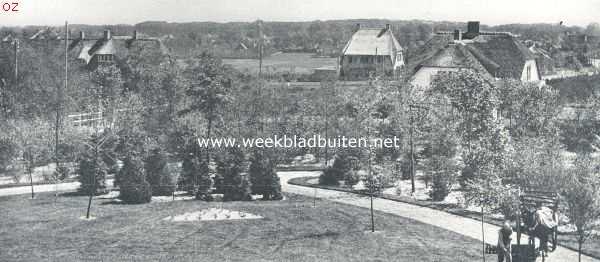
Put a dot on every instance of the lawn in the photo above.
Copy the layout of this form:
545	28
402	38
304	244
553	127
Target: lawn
302	63
291	230
591	247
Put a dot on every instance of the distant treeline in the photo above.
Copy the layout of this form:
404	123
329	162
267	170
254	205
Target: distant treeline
240	39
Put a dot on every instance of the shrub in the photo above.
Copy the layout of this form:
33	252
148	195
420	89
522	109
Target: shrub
205	182
329	177
157	173
195	173
441	186
263	177
467	174
134	189
342	165
8	151
235	186
338	171
61	172
405	167
351	178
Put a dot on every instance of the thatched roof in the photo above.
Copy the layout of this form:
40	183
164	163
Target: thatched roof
502	55
499	55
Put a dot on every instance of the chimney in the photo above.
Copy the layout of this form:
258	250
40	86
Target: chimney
357	27
473	28
457	35
135	34
387	27
107	34
81	35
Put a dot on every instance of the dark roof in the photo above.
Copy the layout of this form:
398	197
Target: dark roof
85	49
102	47
500	55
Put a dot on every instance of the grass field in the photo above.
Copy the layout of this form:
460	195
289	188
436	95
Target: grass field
292	230
302	63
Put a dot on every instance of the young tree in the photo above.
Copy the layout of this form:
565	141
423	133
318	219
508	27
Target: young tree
92	167
581	192
157	173
230	165
263	177
133	187
33	140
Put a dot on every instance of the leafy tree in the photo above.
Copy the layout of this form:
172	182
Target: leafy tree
529	109
263	177
209	90
230	165
581	192
443	175
107	87
440	154
483	138
157	173
134	189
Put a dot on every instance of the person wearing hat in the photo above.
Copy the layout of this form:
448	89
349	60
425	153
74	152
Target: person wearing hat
504	240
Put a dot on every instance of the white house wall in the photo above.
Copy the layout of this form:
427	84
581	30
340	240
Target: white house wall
535	76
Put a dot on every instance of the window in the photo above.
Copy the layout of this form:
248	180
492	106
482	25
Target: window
529	73
105	58
349	60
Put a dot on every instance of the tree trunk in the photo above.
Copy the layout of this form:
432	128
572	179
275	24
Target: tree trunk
31	182
208	129
579	244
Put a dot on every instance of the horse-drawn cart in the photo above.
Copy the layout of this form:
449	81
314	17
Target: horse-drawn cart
540	201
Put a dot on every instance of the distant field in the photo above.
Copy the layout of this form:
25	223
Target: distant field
302	63
291	230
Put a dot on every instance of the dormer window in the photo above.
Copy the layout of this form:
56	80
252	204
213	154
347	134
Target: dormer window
105	58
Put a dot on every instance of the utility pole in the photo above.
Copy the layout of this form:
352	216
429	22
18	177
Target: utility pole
16	47
371	184
412	155
59	99
260	48
260	83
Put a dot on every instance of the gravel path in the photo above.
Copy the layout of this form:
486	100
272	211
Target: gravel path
465	226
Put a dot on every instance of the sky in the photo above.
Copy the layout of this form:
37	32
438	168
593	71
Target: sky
55	12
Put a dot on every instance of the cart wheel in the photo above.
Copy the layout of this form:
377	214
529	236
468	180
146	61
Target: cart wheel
554	238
